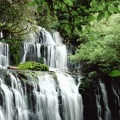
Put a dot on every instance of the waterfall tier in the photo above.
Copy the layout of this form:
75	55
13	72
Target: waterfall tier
107	112
31	95
4	55
39	96
45	45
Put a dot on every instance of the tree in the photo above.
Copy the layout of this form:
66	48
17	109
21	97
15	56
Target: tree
102	45
14	17
71	15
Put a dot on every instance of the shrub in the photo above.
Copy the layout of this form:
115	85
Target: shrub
33	66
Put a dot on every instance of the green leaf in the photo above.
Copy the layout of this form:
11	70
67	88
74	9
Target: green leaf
64	21
113	9
107	14
114	73
92	9
69	2
75	13
39	8
100	7
56	7
94	3
32	3
100	16
91	17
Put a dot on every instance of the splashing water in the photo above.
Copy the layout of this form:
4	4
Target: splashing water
47	45
42	102
4	55
107	115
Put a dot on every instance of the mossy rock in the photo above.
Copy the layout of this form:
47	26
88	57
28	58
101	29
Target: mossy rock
33	66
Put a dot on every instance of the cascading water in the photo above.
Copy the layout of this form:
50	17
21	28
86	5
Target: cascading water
70	98
107	112
14	105
99	108
30	95
4	55
39	96
115	103
47	45
36	95
1	34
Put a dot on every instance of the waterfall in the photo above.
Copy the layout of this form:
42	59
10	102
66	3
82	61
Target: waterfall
99	108
39	96
14	104
57	38
1	34
46	45
107	112
32	95
4	55
116	92
71	99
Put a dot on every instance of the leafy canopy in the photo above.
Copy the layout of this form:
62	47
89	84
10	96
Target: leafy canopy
102	44
14	17
70	15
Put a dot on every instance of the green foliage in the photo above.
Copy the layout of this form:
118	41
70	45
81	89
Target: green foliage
86	84
14	46
43	15
73	14
33	66
66	16
100	16
102	45
93	74
115	73
14	17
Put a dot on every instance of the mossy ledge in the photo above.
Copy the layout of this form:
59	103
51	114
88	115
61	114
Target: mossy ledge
30	65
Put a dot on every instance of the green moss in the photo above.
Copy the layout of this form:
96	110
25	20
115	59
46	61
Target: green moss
33	66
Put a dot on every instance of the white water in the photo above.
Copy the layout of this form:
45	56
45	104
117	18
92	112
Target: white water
28	47
4	55
116	91
54	51
47	99
50	46
46	91
57	38
20	98
14	104
72	100
107	111
99	109
1	34
2	116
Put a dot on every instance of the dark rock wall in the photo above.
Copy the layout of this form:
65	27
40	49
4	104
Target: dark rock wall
89	89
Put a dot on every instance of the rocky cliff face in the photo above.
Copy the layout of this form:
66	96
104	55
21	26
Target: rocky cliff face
101	99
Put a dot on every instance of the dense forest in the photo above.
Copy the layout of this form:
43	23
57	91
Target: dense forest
91	26
88	55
